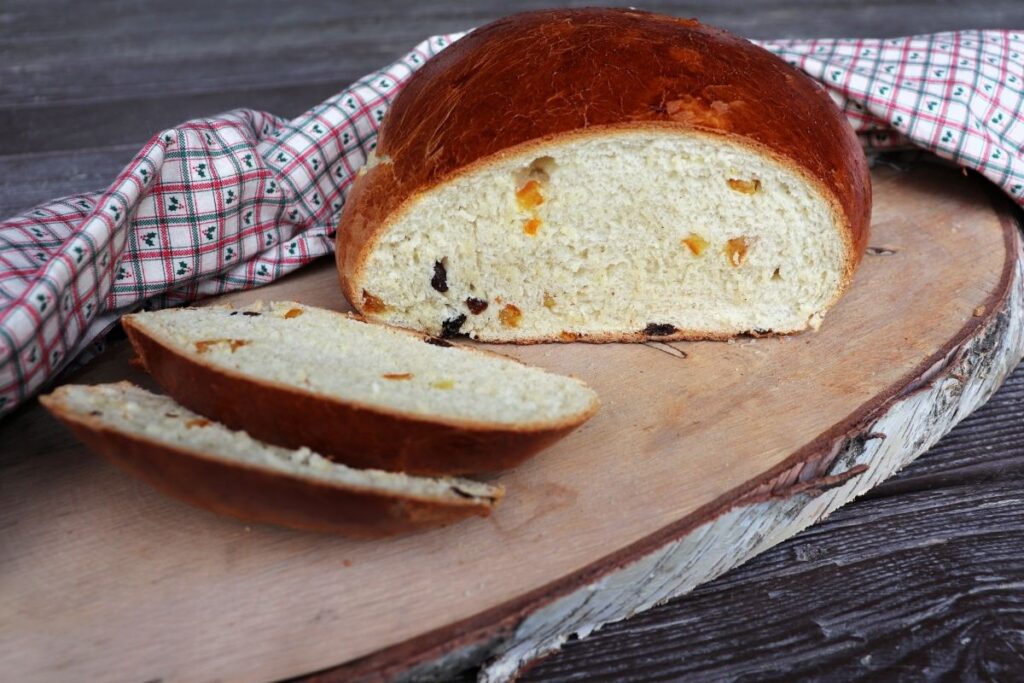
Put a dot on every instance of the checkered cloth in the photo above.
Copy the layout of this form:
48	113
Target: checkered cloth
238	200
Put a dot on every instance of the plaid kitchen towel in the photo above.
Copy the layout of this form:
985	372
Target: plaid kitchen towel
238	200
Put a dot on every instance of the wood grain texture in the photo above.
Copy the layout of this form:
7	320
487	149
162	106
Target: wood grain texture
111	73
759	406
923	586
906	427
933	555
66	67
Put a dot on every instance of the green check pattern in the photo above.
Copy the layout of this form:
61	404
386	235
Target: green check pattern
236	201
959	95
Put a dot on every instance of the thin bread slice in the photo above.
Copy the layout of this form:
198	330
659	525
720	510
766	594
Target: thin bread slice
363	394
208	465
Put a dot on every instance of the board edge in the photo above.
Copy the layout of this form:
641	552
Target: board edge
828	472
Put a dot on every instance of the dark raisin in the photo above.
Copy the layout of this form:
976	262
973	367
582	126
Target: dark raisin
440	279
476	306
95	412
234	312
251	314
659	329
451	326
437	342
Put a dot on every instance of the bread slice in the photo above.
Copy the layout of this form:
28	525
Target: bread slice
366	395
208	465
606	175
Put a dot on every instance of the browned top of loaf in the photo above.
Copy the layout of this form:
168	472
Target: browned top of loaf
543	73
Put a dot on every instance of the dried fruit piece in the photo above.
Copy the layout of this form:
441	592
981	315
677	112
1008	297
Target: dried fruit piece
568	336
510	316
397	376
529	196
695	243
476	306
234	344
197	422
251	314
744	186
440	279
293	313
659	329
736	251
372	304
549	301
531	225
443	384
451	326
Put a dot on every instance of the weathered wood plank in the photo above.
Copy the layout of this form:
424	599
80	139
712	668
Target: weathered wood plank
117	123
30	179
122	70
63	87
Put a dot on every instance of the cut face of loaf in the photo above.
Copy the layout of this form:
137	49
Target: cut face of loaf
606	175
620	234
366	395
204	463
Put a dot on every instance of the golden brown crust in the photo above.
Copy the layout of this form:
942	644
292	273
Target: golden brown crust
346	432
259	495
531	78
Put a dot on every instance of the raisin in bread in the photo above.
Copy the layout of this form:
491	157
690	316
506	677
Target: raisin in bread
204	463
606	175
363	394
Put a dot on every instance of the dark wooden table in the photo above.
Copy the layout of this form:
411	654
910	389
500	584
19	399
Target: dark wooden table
923	579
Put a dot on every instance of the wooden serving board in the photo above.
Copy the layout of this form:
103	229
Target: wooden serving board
703	454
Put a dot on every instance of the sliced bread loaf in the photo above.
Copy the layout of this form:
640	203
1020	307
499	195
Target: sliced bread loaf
204	463
363	394
605	175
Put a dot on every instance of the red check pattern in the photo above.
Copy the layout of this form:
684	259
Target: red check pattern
238	200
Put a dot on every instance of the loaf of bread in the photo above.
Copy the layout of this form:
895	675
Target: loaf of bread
362	394
189	457
606	175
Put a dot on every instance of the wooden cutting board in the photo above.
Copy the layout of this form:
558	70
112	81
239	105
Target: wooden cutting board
702	455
